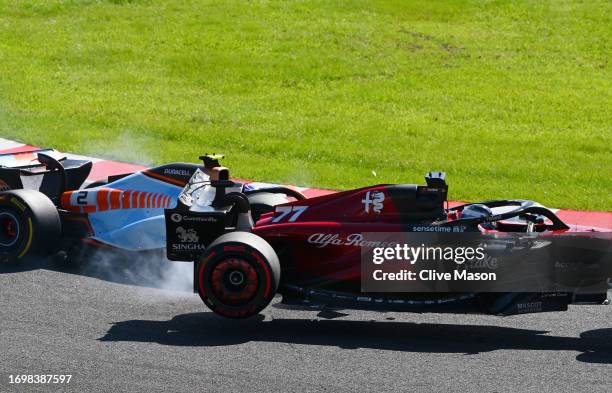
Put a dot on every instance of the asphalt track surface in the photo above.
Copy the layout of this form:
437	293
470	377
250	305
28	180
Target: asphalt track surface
120	337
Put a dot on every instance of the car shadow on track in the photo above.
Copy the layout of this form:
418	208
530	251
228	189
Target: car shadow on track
14	267
207	329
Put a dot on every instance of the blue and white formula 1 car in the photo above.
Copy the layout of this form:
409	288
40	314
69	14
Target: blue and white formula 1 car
46	209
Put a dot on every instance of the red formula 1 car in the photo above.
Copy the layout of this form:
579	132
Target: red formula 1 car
308	250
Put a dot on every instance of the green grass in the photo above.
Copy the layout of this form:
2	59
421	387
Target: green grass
510	98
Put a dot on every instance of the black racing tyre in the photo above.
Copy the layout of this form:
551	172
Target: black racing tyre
30	225
238	275
264	202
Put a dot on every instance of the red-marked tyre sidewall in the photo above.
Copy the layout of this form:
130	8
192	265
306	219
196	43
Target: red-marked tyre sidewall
248	259
38	225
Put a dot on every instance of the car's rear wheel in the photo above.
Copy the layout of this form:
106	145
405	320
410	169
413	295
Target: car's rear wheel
238	274
30	225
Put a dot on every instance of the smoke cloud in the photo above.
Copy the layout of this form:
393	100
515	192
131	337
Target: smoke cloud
146	268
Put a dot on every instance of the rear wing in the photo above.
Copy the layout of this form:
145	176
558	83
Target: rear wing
45	170
28	159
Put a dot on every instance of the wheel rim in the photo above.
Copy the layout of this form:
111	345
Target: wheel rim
234	281
9	229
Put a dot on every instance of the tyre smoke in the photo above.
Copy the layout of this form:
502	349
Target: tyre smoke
144	268
147	268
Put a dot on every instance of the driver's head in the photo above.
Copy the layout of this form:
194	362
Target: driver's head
478	210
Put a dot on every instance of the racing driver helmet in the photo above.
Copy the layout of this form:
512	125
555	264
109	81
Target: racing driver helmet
478	210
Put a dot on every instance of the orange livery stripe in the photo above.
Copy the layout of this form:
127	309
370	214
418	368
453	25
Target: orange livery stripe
115	199
102	199
106	199
125	199
165	179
